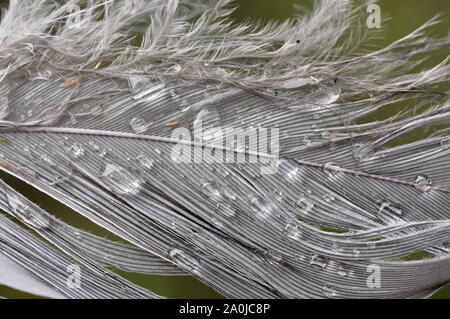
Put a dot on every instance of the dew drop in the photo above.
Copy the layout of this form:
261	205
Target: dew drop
305	204
331	169
389	208
145	160
226	210
328	198
293	173
343	271
277	195
423	183
262	207
211	190
362	151
329	292
291	230
184	260
76	150
139	125
27	214
229	193
120	180
318	261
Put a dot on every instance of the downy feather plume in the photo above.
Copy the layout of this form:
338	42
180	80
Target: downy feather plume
89	100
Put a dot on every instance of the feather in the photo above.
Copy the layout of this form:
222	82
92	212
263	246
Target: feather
330	199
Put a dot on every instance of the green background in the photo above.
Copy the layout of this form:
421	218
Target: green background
400	18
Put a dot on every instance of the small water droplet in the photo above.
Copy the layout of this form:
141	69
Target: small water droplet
343	271
76	150
262	207
305	205
27	214
292	173
331	169
423	183
184	260
139	125
226	210
120	180
229	193
277	195
328	198
362	151
291	230
145	160
329	292
318	261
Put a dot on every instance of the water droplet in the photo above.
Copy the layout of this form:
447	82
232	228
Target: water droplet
328	198
229	193
145	160
122	181
28	215
226	210
139	125
318	261
262	207
211	190
292	173
76	150
362	151
207	125
277	195
296	83
387	207
305	205
291	230
423	183
307	141
329	292
184	260
331	169
343	271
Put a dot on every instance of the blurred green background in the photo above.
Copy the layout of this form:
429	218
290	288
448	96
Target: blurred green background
400	18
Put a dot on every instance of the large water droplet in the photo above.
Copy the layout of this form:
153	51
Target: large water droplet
229	193
423	183
211	190
318	261
184	260
362	152
120	180
28	215
291	230
139	125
